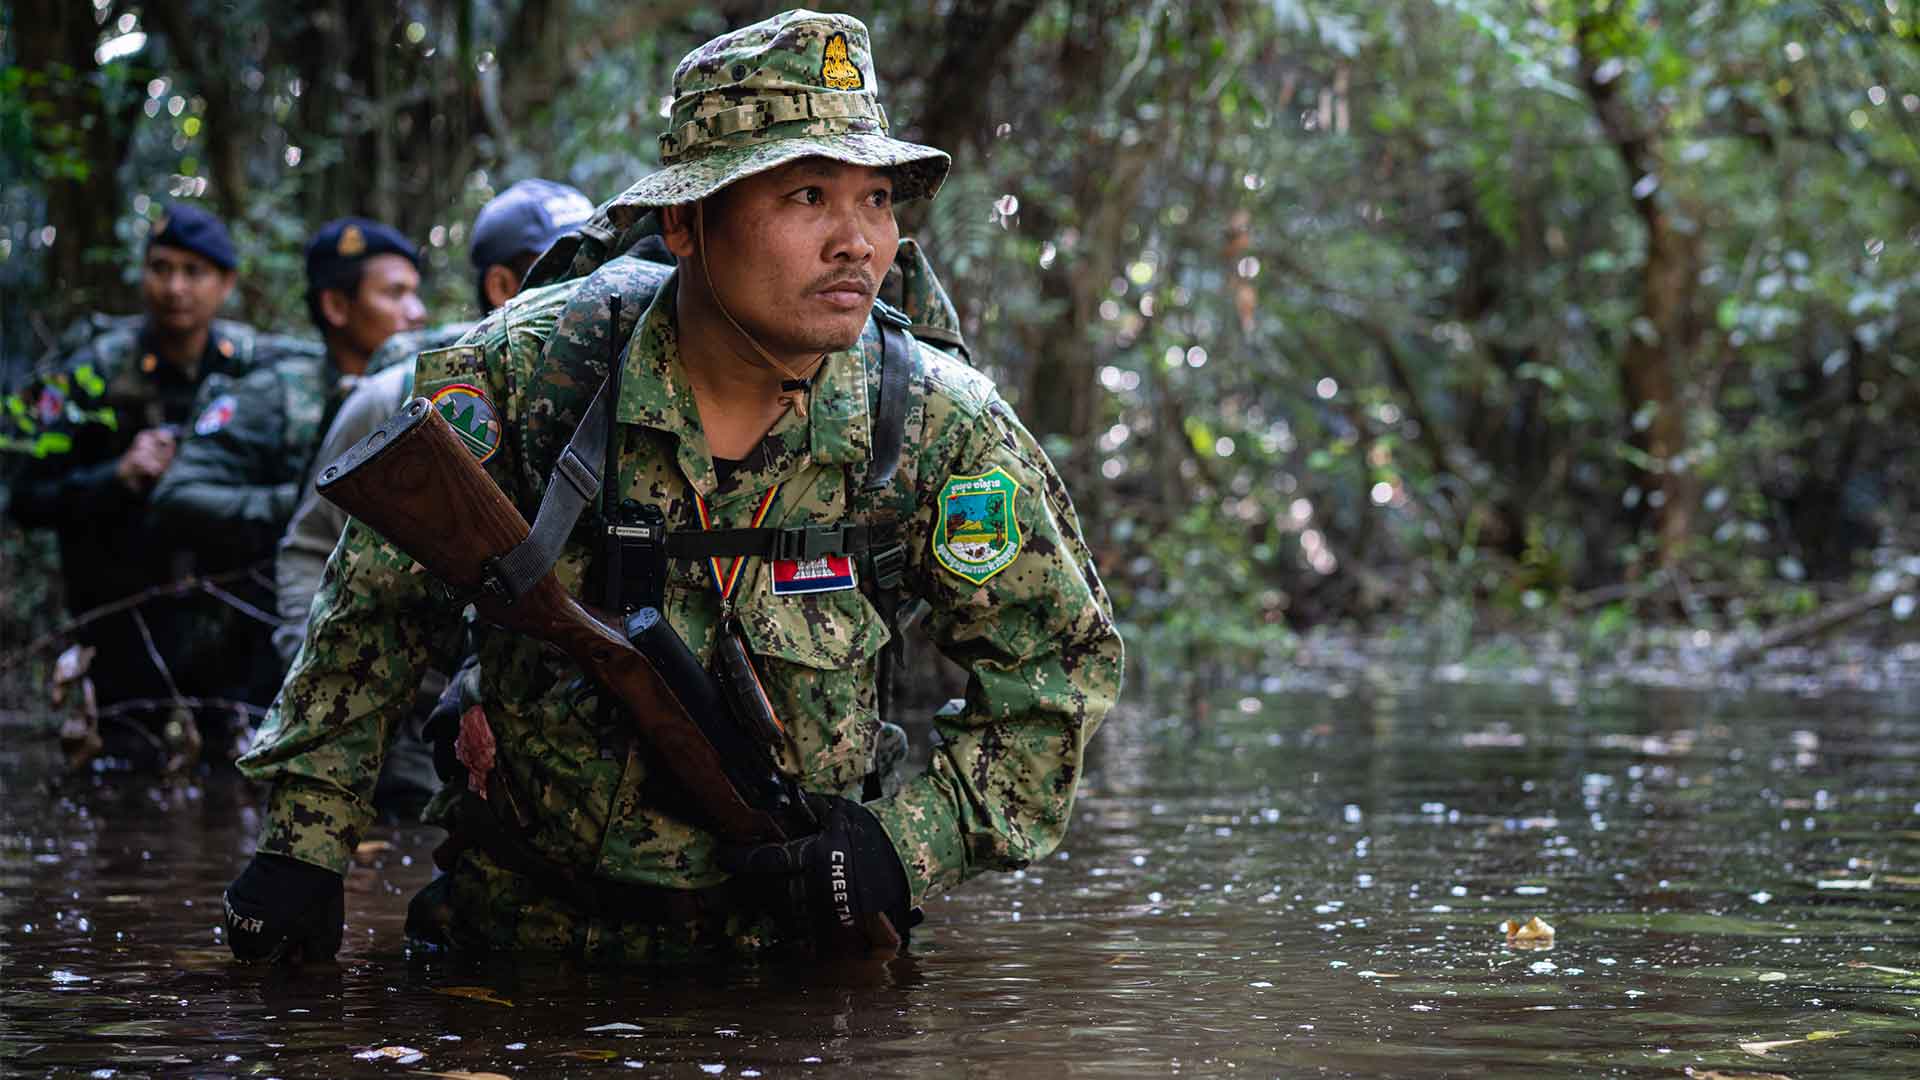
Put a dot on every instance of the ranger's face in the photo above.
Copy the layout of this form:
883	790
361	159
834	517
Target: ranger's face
182	290
386	303
797	253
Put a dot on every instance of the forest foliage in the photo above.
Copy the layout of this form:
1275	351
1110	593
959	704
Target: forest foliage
1329	310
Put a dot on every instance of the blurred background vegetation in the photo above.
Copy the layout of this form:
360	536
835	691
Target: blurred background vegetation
1427	317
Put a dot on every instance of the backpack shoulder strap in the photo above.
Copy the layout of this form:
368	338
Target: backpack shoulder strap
578	471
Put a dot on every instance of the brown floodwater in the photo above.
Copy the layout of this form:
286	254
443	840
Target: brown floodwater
1309	883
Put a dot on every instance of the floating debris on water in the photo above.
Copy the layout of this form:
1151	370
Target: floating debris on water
1761	1048
1535	933
474	993
400	1055
1846	883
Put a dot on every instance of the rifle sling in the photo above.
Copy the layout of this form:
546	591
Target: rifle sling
574	483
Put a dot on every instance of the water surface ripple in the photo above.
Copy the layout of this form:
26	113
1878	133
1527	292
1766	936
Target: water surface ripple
1302	885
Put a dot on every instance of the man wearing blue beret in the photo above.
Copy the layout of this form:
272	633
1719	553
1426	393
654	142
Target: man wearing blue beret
236	478
110	416
510	232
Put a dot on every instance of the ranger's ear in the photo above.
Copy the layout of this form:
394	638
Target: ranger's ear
677	228
336	308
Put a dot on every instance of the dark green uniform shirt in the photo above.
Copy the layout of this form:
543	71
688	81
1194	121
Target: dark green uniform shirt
109	549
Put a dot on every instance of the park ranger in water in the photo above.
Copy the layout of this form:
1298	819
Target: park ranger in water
750	401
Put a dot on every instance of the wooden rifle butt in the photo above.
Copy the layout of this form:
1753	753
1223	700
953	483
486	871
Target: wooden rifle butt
415	483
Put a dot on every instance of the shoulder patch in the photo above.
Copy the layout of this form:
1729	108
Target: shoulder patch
976	534
217	415
472	417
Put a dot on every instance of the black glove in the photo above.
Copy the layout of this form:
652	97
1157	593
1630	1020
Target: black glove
846	879
281	908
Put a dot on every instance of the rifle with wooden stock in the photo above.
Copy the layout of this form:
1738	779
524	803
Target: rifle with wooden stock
415	483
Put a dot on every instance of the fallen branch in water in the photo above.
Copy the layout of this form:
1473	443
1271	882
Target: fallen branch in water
120	709
1833	615
172	589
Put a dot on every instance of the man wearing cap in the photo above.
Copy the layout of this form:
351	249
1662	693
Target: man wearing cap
752	398
235	480
128	395
509	233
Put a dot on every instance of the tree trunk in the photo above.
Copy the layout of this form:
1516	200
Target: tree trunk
1665	333
225	131
84	144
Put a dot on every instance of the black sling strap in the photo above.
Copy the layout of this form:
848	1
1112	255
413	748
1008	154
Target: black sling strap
572	485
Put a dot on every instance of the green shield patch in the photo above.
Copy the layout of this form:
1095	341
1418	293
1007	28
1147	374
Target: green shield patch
977	534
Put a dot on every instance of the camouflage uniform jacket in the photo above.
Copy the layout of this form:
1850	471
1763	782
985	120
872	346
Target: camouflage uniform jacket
233	482
1038	636
91	408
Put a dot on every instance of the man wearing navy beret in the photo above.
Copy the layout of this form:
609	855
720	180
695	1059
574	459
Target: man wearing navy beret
235	481
111	416
363	287
510	232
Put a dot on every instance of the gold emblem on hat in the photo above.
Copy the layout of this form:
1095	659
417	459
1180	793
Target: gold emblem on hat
226	348
352	242
149	362
836	70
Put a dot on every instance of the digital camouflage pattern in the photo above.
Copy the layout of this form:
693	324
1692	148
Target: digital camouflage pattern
236	477
315	525
407	344
800	84
246	474
1038	638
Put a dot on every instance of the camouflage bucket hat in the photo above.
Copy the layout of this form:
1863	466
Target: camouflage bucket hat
797	85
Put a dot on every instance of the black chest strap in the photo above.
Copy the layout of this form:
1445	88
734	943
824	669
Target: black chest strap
577	476
804	542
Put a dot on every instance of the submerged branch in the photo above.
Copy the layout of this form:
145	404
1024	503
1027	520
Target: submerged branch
209	585
1827	618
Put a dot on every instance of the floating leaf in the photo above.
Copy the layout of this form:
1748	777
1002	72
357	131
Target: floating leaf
589	1055
404	1055
1535	933
476	993
1761	1049
620	1025
1880	967
460	1075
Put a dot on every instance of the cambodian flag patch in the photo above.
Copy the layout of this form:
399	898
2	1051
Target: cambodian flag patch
216	415
829	573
